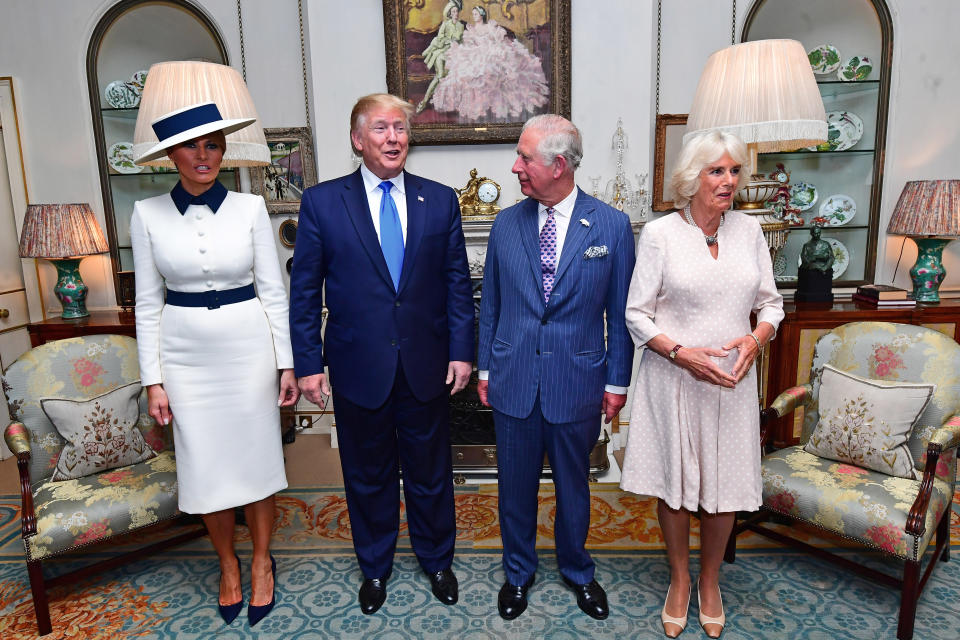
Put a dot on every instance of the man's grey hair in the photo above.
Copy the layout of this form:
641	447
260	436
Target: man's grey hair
560	138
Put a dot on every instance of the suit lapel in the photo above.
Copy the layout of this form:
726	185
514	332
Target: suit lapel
530	235
358	210
577	233
416	221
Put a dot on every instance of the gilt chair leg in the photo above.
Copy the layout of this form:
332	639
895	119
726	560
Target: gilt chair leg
943	534
39	591
908	599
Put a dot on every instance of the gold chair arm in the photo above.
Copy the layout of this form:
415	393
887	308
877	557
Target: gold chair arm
789	400
17	438
948	435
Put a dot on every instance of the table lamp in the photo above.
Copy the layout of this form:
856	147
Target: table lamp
929	212
765	93
63	234
174	85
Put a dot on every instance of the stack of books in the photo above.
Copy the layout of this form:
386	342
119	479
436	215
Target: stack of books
883	295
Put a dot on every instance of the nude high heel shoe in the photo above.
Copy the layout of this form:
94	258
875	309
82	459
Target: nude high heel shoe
720	620
666	619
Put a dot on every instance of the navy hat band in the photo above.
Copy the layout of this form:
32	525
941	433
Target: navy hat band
185	120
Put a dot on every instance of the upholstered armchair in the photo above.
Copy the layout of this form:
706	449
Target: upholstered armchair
895	515
65	516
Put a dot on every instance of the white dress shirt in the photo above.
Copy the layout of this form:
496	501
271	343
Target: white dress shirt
562	212
371	183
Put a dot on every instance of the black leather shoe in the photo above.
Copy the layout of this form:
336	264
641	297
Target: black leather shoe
373	593
512	599
444	586
591	598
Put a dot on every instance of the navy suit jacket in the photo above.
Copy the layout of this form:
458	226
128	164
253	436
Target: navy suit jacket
556	349
425	323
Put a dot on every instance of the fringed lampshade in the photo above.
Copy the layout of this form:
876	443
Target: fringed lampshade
764	92
174	85
929	212
63	234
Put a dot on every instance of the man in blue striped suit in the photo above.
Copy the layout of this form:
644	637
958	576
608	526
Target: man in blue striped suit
556	276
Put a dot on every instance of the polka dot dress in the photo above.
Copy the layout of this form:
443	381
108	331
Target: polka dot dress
693	443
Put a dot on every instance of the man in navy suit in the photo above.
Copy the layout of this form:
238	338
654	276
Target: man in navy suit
556	277
386	247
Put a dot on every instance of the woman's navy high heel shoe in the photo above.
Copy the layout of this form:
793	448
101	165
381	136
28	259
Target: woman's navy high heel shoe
257	613
229	612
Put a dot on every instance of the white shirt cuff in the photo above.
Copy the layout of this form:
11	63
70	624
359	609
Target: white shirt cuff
620	391
483	375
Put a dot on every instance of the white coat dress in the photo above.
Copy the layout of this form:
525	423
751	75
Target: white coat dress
693	443
219	367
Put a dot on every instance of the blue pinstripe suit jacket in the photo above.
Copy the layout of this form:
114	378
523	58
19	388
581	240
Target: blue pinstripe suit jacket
558	348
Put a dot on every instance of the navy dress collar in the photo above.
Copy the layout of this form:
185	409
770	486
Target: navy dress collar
212	197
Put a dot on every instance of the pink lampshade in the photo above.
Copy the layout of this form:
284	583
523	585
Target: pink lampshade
61	231
927	208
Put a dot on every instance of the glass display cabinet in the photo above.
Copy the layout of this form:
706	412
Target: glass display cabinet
131	36
850	44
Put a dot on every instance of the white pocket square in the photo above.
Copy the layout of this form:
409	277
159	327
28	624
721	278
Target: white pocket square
584	222
595	252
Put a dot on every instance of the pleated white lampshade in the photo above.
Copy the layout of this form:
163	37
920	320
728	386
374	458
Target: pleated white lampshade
764	92
174	85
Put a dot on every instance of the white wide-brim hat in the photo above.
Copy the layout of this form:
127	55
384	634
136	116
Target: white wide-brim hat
189	123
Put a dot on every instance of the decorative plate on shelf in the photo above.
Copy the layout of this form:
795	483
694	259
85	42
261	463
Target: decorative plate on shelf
803	195
122	95
120	157
838	210
824	59
779	264
844	130
841	257
855	69
139	78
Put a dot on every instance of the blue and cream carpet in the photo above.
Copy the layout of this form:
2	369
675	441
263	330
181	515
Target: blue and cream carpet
769	593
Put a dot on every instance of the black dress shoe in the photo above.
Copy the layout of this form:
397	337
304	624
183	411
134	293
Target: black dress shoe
373	593
591	598
444	586
512	599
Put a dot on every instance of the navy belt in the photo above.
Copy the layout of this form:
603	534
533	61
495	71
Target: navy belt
210	299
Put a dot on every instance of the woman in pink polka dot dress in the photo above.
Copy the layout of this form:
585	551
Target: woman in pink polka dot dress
694	424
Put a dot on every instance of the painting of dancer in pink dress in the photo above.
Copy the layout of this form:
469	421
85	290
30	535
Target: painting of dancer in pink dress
476	70
490	77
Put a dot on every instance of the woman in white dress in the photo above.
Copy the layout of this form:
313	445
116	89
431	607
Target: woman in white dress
694	423
213	350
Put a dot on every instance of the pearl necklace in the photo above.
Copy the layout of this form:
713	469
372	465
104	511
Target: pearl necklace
711	240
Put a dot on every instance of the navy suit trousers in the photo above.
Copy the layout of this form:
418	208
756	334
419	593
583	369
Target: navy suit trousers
374	445
521	443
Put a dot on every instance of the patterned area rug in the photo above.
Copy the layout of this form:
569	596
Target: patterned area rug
770	592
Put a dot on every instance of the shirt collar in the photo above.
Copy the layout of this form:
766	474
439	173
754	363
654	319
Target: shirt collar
564	208
371	182
212	197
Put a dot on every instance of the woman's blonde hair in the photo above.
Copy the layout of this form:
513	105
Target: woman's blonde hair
700	150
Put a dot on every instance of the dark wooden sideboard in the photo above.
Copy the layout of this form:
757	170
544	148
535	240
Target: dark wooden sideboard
119	322
791	353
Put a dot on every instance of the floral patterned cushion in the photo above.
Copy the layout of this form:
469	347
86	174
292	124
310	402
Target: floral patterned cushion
853	502
867	422
83	511
896	353
76	368
101	432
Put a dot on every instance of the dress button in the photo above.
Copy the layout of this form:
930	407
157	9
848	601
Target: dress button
199	216
201	233
209	283
203	249
206	268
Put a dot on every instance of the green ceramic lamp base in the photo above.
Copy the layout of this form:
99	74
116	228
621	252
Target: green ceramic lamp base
70	289
927	273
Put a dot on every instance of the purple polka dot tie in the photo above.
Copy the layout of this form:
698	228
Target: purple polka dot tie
548	253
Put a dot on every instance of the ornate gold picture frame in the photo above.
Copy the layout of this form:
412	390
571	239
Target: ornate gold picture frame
292	170
667	143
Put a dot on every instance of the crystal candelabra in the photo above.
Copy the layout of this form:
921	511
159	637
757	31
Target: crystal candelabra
619	191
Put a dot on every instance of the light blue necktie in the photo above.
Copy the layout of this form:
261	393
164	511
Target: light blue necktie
391	234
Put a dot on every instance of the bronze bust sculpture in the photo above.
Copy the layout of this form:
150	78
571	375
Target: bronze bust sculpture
817	253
